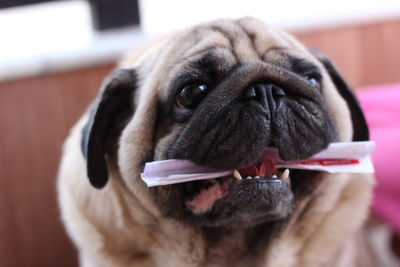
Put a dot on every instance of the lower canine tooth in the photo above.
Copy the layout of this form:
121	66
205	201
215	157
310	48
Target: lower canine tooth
285	174
237	175
274	176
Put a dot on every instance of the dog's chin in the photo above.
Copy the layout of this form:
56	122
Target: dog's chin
237	203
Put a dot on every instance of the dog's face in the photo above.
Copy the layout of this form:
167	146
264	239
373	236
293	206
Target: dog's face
219	94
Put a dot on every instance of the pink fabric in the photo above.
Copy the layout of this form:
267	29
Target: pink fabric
381	105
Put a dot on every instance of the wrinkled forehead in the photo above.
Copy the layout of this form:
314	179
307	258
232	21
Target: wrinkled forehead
213	49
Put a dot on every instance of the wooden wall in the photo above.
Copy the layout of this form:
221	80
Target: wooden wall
366	54
36	114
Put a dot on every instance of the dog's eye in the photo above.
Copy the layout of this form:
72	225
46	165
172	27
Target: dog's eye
191	95
314	79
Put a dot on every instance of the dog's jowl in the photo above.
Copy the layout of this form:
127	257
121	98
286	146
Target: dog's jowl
217	94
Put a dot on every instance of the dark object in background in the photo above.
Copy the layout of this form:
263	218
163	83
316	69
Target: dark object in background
111	14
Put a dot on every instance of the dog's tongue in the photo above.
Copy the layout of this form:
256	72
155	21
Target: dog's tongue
207	197
266	169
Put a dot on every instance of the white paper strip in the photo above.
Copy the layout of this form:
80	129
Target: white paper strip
351	157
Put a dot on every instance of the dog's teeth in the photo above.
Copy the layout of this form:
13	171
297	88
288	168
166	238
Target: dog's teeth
285	174
248	177
257	177
274	176
237	175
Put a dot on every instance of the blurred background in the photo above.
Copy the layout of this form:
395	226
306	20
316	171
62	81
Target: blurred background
54	55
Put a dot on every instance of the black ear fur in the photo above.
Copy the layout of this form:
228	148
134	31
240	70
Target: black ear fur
109	114
360	131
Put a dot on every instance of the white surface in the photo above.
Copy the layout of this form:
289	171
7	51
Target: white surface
59	35
44	29
104	48
56	36
160	16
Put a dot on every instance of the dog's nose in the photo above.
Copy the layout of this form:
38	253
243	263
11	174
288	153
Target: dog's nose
269	95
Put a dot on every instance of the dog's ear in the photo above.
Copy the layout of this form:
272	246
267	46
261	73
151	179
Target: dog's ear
360	131
110	113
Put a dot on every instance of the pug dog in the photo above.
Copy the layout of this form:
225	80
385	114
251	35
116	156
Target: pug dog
217	94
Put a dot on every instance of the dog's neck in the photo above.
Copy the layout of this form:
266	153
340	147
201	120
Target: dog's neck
196	246
236	245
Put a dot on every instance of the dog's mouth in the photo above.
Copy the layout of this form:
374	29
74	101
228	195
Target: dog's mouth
250	195
201	196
